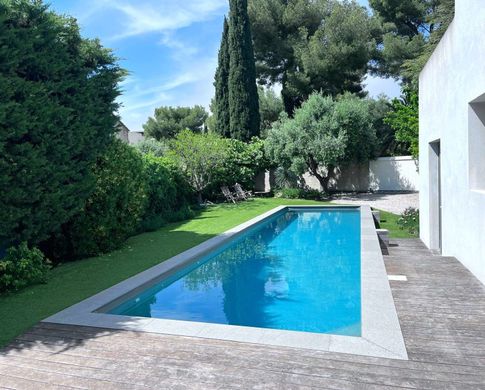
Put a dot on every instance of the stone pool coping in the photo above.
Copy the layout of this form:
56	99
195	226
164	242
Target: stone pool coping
381	331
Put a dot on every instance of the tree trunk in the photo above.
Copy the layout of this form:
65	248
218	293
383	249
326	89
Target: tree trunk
199	198
323	180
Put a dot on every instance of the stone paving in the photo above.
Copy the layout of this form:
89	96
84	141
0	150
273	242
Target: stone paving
392	202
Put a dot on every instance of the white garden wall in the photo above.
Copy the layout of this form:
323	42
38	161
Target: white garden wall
394	174
383	174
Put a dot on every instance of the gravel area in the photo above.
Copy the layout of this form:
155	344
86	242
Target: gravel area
392	202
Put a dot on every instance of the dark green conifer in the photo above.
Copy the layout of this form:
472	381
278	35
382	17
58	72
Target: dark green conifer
221	107
243	93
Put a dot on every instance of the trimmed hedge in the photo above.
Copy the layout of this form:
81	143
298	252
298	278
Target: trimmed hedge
112	213
134	193
168	193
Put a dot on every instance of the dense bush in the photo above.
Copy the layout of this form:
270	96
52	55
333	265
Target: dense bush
289	193
243	161
300	193
22	267
112	213
168	193
57	104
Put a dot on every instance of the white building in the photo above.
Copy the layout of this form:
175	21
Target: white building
452	141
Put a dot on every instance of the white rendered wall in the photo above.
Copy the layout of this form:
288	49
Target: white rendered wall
394	174
452	79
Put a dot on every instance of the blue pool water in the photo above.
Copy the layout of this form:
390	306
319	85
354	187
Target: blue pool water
298	270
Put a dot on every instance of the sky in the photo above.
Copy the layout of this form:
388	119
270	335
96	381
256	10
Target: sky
169	48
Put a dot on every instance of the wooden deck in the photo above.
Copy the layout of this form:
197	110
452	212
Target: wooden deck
441	309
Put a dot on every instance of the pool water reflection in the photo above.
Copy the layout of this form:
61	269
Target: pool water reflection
297	270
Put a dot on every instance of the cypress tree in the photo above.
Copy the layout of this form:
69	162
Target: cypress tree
57	98
221	107
243	93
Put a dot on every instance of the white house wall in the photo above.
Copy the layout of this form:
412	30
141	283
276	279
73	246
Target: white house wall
452	79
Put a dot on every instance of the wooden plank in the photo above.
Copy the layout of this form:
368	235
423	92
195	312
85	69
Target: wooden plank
441	309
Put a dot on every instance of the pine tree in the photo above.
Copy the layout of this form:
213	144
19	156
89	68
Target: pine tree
243	93
221	108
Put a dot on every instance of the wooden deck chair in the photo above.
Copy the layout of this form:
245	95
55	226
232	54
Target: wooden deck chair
230	197
241	193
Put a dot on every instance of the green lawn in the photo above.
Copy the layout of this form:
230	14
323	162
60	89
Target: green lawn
73	282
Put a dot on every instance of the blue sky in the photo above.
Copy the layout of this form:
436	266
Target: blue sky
168	46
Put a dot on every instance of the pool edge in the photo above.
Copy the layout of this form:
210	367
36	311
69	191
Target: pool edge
381	331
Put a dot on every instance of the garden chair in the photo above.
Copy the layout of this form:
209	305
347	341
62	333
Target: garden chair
241	194
230	197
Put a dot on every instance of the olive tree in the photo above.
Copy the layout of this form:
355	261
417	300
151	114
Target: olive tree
324	133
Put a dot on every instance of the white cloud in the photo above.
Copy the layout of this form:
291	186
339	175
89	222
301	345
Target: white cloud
164	16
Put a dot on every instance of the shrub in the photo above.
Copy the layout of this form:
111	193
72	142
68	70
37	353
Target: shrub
290	193
112	213
22	267
168	193
285	178
152	146
301	193
199	157
409	221
242	163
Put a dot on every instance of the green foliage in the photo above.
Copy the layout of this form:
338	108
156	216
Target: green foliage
112	213
286	178
290	193
220	107
300	193
409	221
168	194
243	94
22	267
388	145
411	30
307	46
57	99
199	157
152	146
404	119
323	134
242	163
170	121
270	107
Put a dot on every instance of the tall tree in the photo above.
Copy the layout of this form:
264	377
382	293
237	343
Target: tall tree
169	121
221	105
243	93
57	105
411	31
312	45
270	107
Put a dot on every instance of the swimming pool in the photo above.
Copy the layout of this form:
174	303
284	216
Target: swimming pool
291	277
297	270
